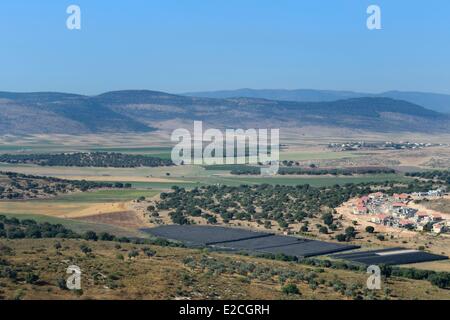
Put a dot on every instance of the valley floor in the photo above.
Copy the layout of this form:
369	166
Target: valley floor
109	273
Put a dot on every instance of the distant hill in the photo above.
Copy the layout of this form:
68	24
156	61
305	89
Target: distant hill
141	111
25	113
433	101
300	95
367	113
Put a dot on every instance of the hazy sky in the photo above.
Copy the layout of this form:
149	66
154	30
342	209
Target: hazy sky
193	45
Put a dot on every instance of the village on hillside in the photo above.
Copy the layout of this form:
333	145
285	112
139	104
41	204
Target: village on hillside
398	211
388	145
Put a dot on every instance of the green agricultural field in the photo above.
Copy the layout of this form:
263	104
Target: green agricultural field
37	146
227	167
302	156
186	176
100	196
28	149
314	181
166	185
153	151
10	148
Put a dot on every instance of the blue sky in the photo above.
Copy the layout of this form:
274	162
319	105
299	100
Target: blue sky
195	45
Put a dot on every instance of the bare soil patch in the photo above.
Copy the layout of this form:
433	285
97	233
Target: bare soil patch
126	219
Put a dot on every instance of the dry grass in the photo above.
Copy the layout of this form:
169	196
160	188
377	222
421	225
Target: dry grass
125	219
442	205
59	209
166	276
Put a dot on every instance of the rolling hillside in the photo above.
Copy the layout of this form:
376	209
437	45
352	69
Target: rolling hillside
141	111
25	113
434	101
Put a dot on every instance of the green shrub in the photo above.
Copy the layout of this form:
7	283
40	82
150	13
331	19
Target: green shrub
290	289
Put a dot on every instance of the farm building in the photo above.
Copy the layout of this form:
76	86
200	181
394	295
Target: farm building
361	209
380	219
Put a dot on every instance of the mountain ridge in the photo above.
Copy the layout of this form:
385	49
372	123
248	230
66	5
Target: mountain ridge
144	110
435	101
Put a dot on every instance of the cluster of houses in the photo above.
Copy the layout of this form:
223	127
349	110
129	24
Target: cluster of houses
394	211
388	145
